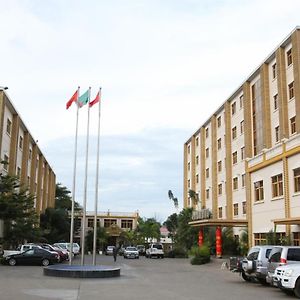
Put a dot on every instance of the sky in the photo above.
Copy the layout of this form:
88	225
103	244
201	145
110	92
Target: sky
164	67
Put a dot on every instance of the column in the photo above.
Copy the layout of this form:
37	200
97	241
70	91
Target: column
200	237
218	242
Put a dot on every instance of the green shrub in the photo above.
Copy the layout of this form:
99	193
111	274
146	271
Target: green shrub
177	253
200	255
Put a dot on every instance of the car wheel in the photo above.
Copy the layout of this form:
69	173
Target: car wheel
12	262
245	277
45	262
297	288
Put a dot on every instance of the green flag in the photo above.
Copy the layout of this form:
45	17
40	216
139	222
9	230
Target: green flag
83	99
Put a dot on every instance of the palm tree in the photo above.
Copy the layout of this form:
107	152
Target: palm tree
194	196
171	197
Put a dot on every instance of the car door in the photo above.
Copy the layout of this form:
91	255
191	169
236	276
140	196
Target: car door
26	258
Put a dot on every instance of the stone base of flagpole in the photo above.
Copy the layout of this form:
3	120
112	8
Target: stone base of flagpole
76	271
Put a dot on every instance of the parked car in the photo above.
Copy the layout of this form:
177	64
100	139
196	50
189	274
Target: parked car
21	249
67	246
36	256
280	256
155	250
109	250
255	265
141	249
287	278
131	252
63	254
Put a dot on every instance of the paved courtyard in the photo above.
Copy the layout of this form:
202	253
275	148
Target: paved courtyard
140	279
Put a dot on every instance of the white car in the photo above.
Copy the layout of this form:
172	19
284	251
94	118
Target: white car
155	250
131	252
67	246
287	278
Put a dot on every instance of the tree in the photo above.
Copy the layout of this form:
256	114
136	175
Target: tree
186	235
17	211
149	229
172	224
171	197
101	239
55	222
194	196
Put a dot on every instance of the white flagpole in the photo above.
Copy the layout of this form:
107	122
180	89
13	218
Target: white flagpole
85	184
74	185
96	187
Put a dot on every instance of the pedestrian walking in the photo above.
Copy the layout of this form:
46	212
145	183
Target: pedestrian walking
115	252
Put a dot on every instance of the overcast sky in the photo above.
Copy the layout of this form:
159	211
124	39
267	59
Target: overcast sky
164	67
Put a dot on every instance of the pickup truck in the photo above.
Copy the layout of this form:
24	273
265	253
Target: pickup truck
20	249
155	250
287	278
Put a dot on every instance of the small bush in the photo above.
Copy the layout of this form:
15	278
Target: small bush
200	255
177	253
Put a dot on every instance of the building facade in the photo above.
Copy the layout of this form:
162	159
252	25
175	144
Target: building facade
23	157
114	222
244	161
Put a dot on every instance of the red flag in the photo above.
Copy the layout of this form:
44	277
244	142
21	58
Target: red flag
96	100
73	98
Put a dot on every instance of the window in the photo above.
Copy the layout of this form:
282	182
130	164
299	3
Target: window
189	183
206	133
242	153
127	224
219	121
260	238
235	209
197	178
291	90
30	154
275	99
207	173
219	166
244	206
297	180
277	186
109	222
233	108
8	126
207	152
277	134
189	166
241	101
289	57
233	132
274	71
220	189
235	183
243	180
296	238
197	160
219	143
220	213
21	142
234	157
5	164
259	190
197	141
293	125
90	222
189	149
207	194
242	127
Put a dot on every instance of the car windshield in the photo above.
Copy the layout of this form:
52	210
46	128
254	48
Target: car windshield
253	254
157	246
131	249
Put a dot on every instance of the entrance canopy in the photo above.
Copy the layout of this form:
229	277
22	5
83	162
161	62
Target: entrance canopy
220	222
287	221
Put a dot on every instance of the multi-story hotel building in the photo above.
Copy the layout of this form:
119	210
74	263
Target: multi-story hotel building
244	161
24	158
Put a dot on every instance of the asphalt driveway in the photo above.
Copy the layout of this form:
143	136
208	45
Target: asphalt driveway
155	279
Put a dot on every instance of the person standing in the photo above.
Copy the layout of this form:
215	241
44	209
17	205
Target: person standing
115	252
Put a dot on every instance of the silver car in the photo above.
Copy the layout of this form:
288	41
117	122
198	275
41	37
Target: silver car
131	252
255	265
280	256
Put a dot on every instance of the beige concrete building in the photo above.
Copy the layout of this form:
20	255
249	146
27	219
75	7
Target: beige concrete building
244	161
19	149
114	223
